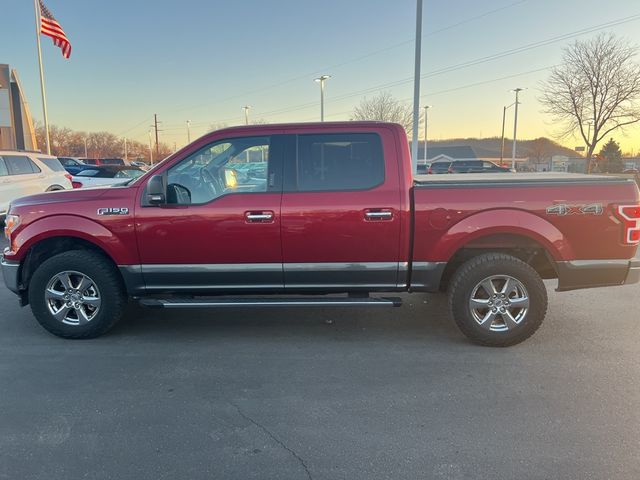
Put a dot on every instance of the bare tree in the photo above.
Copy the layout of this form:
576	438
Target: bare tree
595	90
385	108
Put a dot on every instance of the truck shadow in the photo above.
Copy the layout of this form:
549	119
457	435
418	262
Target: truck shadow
422	318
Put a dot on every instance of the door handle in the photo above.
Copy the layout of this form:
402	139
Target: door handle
378	215
259	217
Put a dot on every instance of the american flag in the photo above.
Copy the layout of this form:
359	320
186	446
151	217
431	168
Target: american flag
50	27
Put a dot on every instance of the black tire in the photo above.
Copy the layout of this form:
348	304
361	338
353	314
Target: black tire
102	273
465	283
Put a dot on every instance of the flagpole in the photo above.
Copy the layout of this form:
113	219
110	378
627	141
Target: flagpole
44	95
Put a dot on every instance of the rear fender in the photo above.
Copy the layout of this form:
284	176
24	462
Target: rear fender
504	221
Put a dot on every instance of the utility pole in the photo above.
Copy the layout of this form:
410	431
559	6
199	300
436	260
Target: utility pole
86	155
426	123
150	150
188	131
246	109
416	89
321	79
155	126
515	129
125	148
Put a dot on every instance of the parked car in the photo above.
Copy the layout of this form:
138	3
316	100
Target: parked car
339	217
72	164
476	166
25	173
103	161
631	171
144	166
101	176
439	167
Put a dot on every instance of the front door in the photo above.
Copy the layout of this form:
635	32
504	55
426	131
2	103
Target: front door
220	229
341	212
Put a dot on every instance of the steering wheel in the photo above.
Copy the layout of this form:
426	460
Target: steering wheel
210	181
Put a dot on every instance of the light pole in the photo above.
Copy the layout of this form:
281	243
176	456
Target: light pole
188	131
416	89
321	79
426	123
125	149
150	149
515	128
504	117
85	148
246	109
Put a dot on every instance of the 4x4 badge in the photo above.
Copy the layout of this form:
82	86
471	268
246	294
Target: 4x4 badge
562	209
113	211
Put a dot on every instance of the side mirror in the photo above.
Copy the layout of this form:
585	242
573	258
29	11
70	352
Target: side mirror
156	192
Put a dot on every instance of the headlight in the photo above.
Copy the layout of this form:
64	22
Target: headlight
11	222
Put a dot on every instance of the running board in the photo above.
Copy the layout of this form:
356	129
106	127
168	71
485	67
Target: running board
271	302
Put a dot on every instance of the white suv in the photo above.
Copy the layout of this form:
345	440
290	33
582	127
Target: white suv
27	173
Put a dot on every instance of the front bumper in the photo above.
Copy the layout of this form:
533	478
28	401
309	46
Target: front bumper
11	274
576	274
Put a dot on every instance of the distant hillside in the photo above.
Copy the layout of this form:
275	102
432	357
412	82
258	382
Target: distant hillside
542	148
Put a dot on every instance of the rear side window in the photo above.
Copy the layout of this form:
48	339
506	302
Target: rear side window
3	168
53	163
20	165
112	161
90	161
327	162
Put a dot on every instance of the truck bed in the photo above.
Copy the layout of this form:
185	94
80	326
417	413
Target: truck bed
512	179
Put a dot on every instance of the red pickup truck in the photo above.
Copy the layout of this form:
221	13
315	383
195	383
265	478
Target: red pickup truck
319	215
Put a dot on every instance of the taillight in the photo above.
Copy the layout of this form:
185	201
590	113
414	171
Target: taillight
76	184
629	215
430	171
69	177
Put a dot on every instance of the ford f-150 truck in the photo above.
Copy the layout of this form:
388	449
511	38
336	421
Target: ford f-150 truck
319	215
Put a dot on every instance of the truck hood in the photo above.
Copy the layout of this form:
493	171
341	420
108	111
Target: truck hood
60	196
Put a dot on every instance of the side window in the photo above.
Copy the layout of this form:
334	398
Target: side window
488	165
236	165
53	163
20	165
3	168
329	162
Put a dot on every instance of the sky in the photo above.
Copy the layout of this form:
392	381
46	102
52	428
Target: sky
202	60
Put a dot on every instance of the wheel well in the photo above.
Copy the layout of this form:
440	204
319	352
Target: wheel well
524	248
54	188
49	247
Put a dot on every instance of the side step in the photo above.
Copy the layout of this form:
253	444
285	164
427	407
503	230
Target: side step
270	302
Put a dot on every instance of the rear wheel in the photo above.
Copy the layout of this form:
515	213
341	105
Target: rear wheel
77	294
497	300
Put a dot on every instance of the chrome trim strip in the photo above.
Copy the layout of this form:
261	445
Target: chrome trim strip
340	266
211	267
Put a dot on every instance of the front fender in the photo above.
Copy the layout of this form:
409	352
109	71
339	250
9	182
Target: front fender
503	221
118	242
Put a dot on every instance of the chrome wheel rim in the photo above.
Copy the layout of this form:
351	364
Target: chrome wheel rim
72	298
499	303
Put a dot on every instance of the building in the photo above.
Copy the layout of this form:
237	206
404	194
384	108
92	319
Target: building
16	124
434	154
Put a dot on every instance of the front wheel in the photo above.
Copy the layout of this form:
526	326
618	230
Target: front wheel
77	294
497	300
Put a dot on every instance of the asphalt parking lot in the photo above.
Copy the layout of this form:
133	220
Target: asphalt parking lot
285	394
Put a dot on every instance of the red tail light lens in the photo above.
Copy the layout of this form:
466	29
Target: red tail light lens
430	171
76	184
629	215
69	177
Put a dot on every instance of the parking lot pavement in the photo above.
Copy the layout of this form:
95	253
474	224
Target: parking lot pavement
283	394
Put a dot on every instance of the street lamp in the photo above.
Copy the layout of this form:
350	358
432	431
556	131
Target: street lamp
188	131
504	116
426	123
321	79
515	128
246	109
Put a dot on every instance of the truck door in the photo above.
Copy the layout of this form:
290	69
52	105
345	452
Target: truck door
341	211
220	228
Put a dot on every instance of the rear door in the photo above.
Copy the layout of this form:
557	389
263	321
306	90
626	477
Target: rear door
24	174
341	211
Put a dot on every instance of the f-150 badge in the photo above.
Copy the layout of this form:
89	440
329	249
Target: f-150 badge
113	211
563	209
